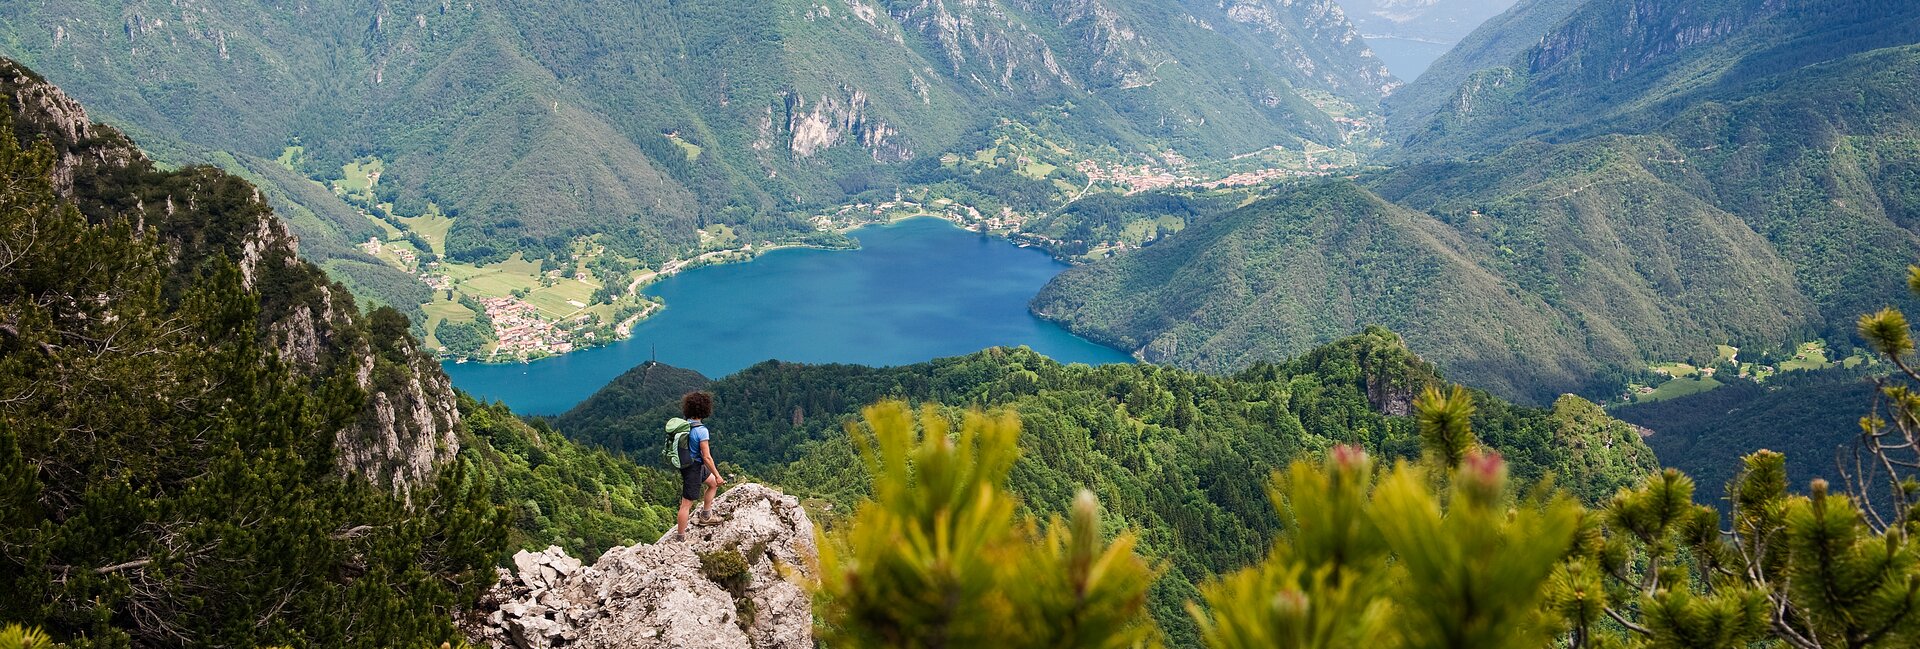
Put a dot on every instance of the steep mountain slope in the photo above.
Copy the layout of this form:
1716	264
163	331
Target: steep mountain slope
203	442
1565	267
406	427
1495	43
1442	21
534	123
1302	268
1630	66
1810	415
1178	455
1817	162
1741	186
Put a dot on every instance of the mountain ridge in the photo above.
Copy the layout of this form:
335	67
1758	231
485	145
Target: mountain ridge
1789	191
777	130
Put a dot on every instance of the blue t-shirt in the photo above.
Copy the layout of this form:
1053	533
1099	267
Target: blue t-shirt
696	436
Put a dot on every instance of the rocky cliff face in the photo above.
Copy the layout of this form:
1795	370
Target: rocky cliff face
1301	29
407	424
1619	38
729	585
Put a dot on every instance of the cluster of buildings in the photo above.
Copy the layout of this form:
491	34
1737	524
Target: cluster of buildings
520	329
1136	179
374	247
1258	176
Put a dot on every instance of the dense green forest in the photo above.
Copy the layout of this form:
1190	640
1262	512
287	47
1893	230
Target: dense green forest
1181	457
1763	209
640	122
1445	551
558	492
167	476
1612	67
205	440
1813	417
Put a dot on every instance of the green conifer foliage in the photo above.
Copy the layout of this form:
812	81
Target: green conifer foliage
1445	431
939	558
1856	588
166	481
13	636
1366	559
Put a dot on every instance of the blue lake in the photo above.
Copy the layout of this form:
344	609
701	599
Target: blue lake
916	290
1407	58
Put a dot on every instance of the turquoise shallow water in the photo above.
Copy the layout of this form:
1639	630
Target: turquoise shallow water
916	290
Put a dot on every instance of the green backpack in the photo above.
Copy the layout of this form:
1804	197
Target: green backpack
679	451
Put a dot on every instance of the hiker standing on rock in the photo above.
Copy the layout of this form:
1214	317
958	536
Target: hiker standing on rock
691	451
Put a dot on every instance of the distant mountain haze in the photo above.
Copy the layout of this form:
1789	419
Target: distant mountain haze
1444	21
1494	43
1410	34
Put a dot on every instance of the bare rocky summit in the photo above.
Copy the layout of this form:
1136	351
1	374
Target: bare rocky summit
736	584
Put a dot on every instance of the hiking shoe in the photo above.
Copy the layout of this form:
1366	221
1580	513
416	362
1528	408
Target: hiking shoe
677	538
708	518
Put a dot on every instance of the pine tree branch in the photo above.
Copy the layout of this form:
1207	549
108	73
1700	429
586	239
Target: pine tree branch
138	563
1622	619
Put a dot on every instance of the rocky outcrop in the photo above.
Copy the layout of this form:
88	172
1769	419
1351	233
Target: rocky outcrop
406	429
833	120
77	141
1621	38
730	585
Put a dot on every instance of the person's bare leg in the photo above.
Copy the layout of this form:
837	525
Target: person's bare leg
684	506
707	491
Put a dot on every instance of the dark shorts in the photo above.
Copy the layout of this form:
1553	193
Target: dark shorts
692	479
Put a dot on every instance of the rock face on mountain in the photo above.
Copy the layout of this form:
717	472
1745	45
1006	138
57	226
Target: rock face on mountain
1609	66
407	421
536	123
728	585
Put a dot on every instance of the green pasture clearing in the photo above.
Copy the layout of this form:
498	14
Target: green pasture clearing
357	177
1809	356
292	157
388	255
516	273
718	236
693	150
1686	379
1679	388
441	308
432	226
1037	170
1140	231
1674	370
553	301
387	231
496	280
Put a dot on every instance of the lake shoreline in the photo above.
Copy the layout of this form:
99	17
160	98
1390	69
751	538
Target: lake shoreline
914	290
719	258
